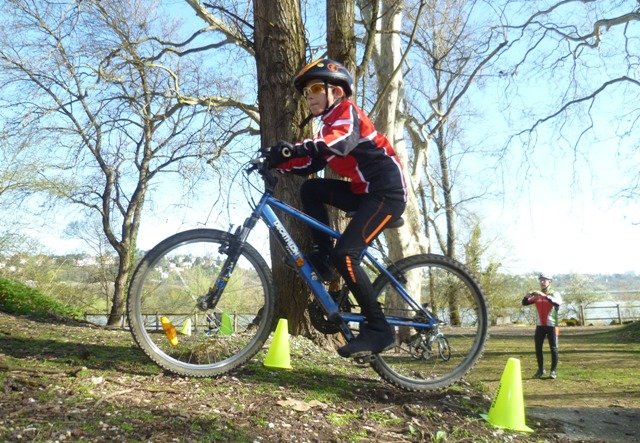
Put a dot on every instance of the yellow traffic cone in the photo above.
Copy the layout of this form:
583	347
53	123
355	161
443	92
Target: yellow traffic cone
278	354
226	325
507	409
169	331
186	327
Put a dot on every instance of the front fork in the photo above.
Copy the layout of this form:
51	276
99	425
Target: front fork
232	247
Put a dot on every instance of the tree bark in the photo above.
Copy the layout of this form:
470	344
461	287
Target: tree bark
280	54
341	39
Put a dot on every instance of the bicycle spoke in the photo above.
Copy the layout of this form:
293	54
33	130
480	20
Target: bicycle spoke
170	281
424	359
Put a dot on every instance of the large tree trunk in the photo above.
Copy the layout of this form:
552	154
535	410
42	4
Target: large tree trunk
341	46
407	240
126	262
341	39
120	287
280	48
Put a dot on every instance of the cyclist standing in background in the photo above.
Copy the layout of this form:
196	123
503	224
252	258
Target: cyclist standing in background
547	303
349	144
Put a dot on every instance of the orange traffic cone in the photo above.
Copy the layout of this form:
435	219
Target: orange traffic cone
507	409
169	331
278	354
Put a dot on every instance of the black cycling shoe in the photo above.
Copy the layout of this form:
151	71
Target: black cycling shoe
323	266
369	341
539	374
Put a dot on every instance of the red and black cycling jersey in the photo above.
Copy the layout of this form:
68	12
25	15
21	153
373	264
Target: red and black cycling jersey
547	306
350	145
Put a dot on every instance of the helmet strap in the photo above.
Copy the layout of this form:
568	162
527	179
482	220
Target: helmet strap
306	121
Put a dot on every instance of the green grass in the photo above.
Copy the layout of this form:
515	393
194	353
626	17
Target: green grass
19	299
594	370
338	419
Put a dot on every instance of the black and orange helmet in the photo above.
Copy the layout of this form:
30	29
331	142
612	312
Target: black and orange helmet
327	70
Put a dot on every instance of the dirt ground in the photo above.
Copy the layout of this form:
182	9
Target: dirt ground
592	424
62	382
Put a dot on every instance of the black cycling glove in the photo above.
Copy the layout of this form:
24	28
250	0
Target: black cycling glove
279	153
283	151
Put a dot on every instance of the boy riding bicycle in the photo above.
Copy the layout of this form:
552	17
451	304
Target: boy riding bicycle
349	144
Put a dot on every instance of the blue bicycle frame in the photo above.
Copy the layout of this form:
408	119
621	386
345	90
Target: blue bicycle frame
264	210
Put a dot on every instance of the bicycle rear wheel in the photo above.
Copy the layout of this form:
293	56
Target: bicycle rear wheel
455	298
164	293
444	350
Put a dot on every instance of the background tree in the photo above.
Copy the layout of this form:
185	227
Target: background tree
114	104
502	297
101	266
579	291
454	45
19	178
385	53
589	51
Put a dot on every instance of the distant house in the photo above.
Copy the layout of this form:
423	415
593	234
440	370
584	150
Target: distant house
87	260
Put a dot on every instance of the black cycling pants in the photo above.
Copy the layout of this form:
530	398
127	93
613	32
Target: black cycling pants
372	213
550	333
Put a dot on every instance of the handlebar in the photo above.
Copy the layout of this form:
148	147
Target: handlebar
261	165
255	163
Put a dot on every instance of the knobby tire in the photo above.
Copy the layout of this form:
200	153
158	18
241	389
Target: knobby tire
168	282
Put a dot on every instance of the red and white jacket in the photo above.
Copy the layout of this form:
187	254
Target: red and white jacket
350	145
547	306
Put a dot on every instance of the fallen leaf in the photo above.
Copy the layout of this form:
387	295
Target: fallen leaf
299	405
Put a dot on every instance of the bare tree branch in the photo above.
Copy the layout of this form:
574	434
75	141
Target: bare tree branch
233	35
589	97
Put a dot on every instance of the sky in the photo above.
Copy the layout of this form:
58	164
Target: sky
560	208
561	212
548	231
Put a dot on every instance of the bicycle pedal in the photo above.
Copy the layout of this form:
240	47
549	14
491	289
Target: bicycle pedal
364	359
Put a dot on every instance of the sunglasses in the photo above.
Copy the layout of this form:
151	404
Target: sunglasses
316	88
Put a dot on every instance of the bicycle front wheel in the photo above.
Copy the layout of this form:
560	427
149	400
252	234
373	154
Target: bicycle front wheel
162	304
455	298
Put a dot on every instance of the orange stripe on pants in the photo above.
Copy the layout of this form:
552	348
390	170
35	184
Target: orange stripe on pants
378	229
350	269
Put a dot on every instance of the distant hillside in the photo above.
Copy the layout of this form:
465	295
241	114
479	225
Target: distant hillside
621	287
618	282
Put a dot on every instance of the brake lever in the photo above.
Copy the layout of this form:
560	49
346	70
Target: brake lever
256	164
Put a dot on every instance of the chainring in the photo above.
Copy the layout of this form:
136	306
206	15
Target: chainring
320	321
